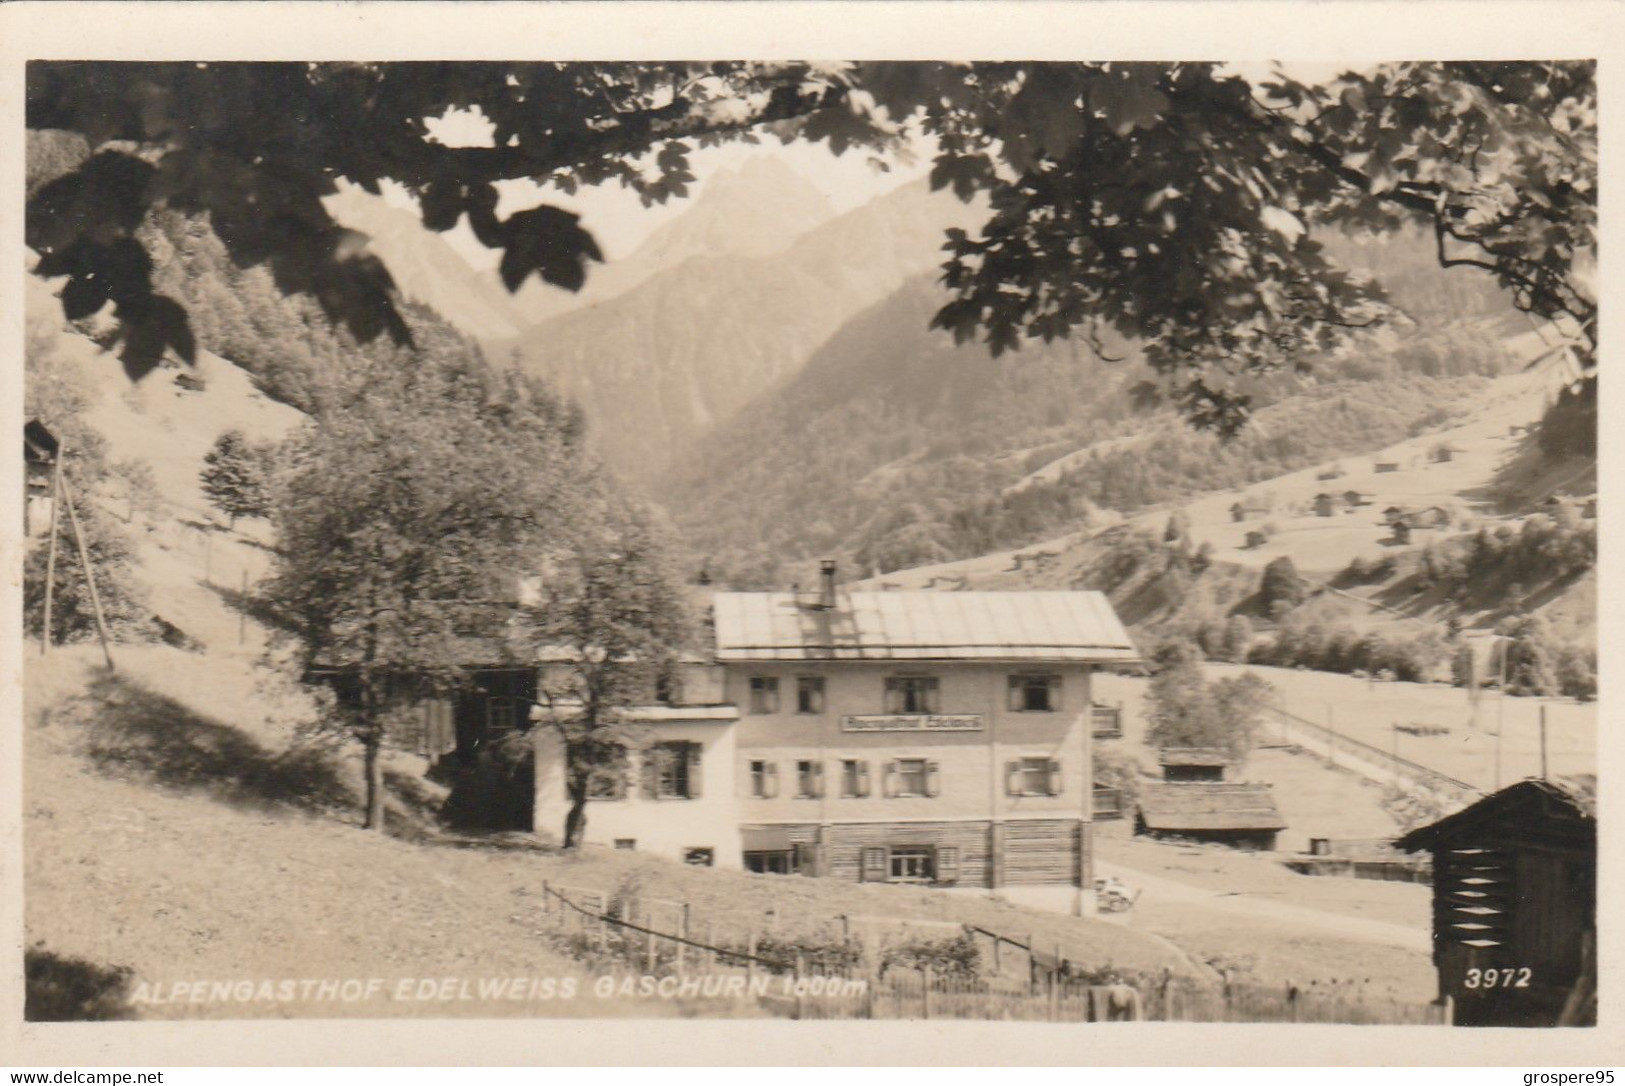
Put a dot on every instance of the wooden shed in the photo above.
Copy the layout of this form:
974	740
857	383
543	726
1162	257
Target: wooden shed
1515	904
1356	498
1183	764
1385	467
1243	815
40	448
1325	505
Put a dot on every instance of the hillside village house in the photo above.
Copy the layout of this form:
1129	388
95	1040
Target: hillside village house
922	737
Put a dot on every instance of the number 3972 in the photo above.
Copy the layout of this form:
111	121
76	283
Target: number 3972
1517	977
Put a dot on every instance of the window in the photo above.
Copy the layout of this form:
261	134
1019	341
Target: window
499	714
810	694
764	780
771	863
911	863
606	780
911	694
854	778
911	777
626	844
809	780
1033	777
700	857
607	783
672	771
764	694
1035	693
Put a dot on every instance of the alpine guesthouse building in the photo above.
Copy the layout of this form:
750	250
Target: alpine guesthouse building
922	737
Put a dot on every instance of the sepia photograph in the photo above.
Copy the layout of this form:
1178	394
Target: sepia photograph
1064	541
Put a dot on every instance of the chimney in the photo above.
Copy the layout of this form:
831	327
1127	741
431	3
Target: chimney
826	584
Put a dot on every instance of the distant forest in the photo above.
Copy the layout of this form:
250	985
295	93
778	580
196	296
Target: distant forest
895	449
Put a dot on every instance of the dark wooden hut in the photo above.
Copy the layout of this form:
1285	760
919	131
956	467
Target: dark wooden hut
1243	815
1515	904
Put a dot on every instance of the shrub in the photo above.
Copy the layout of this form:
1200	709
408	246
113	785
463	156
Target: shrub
958	956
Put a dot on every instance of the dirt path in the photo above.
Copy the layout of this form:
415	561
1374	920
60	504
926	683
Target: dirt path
1158	892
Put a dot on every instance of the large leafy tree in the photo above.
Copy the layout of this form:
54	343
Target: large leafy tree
402	523
1183	709
1176	205
609	618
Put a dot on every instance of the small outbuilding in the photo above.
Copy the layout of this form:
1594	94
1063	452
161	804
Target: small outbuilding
1241	815
1515	904
1325	505
1385	467
40	448
1354	499
1184	764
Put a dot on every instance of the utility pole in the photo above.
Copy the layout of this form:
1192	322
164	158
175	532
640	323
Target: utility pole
1500	710
1543	775
90	577
50	554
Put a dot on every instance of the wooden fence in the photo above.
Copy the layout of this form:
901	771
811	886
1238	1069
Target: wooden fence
1016	980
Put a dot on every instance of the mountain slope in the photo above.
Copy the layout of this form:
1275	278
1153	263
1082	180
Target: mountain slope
428	270
894	449
691	345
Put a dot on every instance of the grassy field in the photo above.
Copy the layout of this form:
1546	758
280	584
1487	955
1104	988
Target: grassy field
1369	712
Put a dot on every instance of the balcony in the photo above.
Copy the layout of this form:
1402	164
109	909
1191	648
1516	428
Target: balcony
1106	721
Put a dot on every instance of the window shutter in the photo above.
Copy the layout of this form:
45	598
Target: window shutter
1055	784
1055	685
770	780
1015	693
931	784
1012	778
818	780
948	863
894	697
863	779
889	785
695	775
874	865
649	767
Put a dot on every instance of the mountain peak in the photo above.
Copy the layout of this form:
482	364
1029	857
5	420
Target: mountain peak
756	208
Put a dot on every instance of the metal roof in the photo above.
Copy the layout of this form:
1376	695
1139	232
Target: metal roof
1054	626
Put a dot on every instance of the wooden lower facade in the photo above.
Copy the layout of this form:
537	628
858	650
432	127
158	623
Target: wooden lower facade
970	852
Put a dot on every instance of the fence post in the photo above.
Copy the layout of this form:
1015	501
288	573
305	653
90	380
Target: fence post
545	896
870	984
682	931
1055	995
750	962
649	948
925	975
998	966
708	958
1291	1002
800	989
